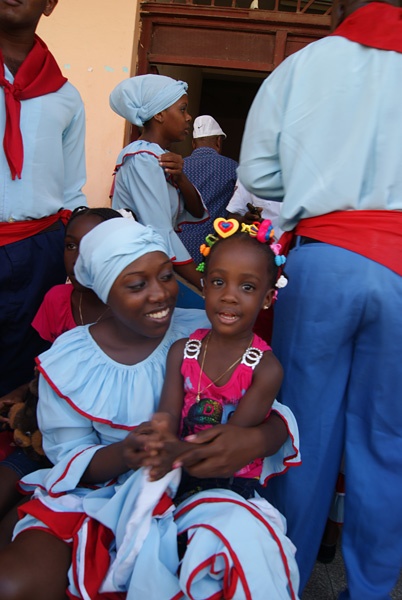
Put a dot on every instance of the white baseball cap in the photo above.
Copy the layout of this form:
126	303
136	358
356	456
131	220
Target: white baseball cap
205	126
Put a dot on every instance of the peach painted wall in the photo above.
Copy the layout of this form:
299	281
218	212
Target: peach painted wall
94	42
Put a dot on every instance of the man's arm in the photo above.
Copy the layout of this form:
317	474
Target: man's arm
74	160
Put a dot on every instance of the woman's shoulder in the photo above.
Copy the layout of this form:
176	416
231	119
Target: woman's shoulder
147	151
186	321
79	370
59	292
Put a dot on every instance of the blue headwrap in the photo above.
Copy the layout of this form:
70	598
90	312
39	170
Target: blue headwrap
139	98
109	248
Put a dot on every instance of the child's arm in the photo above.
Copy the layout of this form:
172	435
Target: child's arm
172	396
163	451
257	401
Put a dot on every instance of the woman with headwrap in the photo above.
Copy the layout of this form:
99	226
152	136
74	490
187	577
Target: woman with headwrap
98	386
148	178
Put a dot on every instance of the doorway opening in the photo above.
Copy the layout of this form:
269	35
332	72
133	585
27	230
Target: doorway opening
226	95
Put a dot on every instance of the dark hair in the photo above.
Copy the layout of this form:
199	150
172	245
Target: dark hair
246	238
103	212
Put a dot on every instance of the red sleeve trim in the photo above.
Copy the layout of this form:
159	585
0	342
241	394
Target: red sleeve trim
287	460
75	407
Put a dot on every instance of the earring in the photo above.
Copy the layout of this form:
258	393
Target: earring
267	306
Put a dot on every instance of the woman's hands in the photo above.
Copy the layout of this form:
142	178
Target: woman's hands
172	164
163	447
216	452
225	449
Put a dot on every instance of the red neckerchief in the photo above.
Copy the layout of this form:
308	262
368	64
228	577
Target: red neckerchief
377	25
375	234
38	75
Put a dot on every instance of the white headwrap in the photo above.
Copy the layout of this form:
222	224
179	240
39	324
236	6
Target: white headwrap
139	98
109	248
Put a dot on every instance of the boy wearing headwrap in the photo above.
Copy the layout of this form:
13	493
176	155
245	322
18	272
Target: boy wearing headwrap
42	171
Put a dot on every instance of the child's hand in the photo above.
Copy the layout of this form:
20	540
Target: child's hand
7	401
134	451
162	448
172	164
253	214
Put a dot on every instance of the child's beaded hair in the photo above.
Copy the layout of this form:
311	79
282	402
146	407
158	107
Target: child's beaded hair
103	212
263	233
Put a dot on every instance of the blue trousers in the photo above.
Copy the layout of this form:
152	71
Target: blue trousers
338	335
28	269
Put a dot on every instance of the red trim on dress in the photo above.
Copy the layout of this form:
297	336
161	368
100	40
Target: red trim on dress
66	526
240	572
183	262
170	181
286	461
256	514
75	407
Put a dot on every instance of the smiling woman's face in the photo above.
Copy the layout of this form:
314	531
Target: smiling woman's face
144	295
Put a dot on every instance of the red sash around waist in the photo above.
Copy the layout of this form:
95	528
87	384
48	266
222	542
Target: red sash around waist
20	230
375	234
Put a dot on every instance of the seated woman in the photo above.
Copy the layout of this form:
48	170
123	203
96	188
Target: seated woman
98	386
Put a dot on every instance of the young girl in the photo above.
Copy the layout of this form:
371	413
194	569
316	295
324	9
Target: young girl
226	373
66	306
148	177
97	386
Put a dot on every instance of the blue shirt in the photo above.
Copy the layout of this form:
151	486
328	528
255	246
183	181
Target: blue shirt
53	132
214	176
324	132
141	185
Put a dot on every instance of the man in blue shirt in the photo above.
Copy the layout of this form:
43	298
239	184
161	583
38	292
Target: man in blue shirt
212	174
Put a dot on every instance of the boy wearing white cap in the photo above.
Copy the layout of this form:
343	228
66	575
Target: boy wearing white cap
212	174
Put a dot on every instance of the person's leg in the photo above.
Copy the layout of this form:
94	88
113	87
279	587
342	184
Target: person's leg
335	520
9	494
371	539
12	469
315	319
8	523
34	567
235	549
28	269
